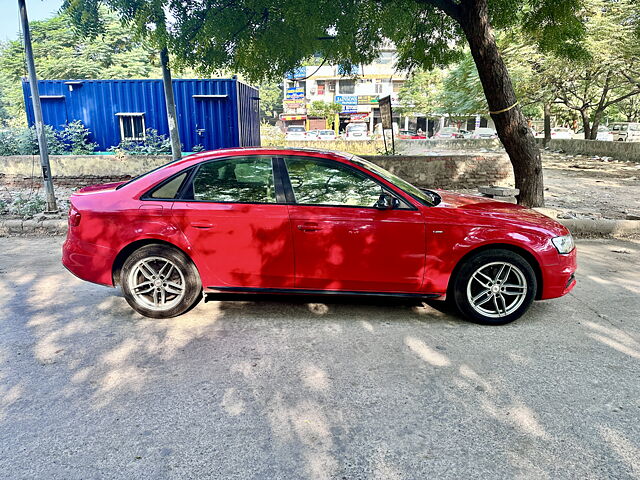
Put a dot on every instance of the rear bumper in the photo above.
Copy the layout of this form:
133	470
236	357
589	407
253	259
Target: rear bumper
559	279
87	261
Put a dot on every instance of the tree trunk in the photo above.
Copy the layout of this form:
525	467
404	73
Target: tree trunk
547	124
172	117
597	117
511	125
586	124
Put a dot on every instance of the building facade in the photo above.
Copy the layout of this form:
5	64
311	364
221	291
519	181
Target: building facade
357	91
212	113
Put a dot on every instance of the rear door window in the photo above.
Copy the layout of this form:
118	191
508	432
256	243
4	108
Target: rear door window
236	180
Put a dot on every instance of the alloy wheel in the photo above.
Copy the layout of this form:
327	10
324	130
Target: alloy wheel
497	289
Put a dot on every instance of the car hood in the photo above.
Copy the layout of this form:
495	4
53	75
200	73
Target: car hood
489	211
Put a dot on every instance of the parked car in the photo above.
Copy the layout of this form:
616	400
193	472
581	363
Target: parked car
287	221
561	133
326	135
296	132
448	132
604	134
484	132
411	135
356	131
626	132
312	135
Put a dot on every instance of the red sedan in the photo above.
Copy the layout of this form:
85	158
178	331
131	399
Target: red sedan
280	221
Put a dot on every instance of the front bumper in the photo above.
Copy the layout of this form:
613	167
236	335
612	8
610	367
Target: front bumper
559	279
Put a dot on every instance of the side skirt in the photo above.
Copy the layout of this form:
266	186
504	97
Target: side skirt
297	291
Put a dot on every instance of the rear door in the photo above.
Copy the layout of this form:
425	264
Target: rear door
236	224
341	241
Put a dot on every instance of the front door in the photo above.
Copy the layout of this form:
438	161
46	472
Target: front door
341	241
239	232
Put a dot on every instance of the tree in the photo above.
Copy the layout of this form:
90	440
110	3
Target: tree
60	53
606	78
420	94
270	98
322	109
267	38
148	19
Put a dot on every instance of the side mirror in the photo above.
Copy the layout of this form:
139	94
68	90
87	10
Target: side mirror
387	202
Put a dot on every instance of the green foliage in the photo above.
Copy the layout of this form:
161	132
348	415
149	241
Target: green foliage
26	206
75	137
420	93
71	140
153	144
61	53
267	38
270	98
322	109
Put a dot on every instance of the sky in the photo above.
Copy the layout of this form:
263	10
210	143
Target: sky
36	10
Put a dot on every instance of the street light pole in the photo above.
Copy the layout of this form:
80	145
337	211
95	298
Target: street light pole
37	110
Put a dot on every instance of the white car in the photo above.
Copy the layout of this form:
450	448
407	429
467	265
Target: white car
626	132
484	132
296	132
357	131
326	135
604	134
561	133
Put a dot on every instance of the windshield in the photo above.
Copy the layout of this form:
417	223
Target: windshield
484	130
327	132
295	129
426	197
449	130
356	126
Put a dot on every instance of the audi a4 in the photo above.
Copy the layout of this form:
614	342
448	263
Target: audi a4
305	222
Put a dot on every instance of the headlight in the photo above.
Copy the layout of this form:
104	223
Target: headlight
563	244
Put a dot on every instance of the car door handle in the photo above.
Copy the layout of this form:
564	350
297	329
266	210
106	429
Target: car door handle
309	227
202	225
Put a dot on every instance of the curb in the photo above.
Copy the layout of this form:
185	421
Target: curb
579	227
45	227
583	227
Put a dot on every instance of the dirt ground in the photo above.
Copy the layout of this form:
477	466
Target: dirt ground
593	187
576	186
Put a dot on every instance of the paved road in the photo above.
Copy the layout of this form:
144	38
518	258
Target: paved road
281	390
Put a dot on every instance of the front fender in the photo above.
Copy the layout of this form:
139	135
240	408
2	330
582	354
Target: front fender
448	245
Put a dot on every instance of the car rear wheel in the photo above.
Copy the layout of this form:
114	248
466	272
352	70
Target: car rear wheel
160	282
495	287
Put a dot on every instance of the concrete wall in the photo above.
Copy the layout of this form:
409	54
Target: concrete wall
453	171
410	147
618	150
434	171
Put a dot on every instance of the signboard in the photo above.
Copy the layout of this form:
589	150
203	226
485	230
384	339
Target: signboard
368	99
346	99
358	117
294	94
349	108
385	112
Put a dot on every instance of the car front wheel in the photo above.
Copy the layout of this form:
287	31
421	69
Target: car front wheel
495	287
160	282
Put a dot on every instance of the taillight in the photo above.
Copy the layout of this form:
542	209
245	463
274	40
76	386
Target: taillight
74	217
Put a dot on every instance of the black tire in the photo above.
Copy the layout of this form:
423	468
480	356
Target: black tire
181	272
500	307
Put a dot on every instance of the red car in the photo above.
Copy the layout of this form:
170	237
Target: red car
264	220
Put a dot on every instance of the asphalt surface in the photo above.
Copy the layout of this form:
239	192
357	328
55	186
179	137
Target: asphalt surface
272	390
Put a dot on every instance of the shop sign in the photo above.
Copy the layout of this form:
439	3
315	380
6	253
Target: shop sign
346	99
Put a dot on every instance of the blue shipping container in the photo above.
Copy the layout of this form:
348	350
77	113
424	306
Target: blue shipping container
212	113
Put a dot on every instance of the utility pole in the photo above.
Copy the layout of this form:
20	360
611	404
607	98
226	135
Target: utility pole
37	110
172	117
